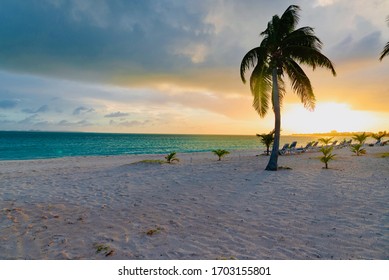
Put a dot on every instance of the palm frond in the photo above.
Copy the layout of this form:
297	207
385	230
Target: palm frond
290	18
310	56
304	36
385	52
260	86
249	61
300	83
303	46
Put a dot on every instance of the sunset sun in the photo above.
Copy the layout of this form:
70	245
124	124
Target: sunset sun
329	116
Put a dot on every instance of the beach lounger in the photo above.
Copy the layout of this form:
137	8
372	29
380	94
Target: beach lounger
284	150
314	146
333	144
306	148
292	147
378	143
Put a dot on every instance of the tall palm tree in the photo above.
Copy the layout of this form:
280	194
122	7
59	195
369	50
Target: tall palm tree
385	52
279	53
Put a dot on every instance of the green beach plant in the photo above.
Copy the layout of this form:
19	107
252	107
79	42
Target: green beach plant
151	161
153	231
325	141
358	149
103	248
220	153
379	135
383	155
279	54
172	157
360	138
327	155
267	139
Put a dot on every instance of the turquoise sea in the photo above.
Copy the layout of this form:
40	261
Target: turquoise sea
21	145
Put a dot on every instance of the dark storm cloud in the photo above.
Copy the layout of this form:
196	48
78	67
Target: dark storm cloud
58	37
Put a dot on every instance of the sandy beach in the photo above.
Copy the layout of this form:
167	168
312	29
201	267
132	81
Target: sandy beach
116	207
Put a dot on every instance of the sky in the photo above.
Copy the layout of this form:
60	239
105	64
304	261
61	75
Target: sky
172	66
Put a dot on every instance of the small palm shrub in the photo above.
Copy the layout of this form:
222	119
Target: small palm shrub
220	153
267	140
358	149
378	136
360	138
327	155
325	141
170	158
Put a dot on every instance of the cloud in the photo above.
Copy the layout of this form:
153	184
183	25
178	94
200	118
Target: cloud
324	3
42	109
32	120
82	110
112	57
73	124
8	104
116	115
134	123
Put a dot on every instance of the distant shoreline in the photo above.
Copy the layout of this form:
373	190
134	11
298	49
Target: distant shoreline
334	134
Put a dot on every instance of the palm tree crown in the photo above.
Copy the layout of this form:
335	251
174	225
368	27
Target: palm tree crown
281	51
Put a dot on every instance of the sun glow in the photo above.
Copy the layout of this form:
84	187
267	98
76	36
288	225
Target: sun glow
330	116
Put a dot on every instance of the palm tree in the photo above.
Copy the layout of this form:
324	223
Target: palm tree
220	153
279	53
378	136
325	141
267	140
327	155
358	149
385	52
360	138
170	158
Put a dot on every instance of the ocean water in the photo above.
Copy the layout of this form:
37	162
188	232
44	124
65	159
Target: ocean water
19	145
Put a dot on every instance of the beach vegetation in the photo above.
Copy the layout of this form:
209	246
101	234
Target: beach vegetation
325	141
102	248
383	155
360	138
152	161
267	139
358	149
224	258
284	168
220	153
327	155
379	135
172	157
385	51
153	231
279	54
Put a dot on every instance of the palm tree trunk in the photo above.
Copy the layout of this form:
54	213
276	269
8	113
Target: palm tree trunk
273	165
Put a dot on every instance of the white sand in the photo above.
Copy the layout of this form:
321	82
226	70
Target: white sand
199	208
